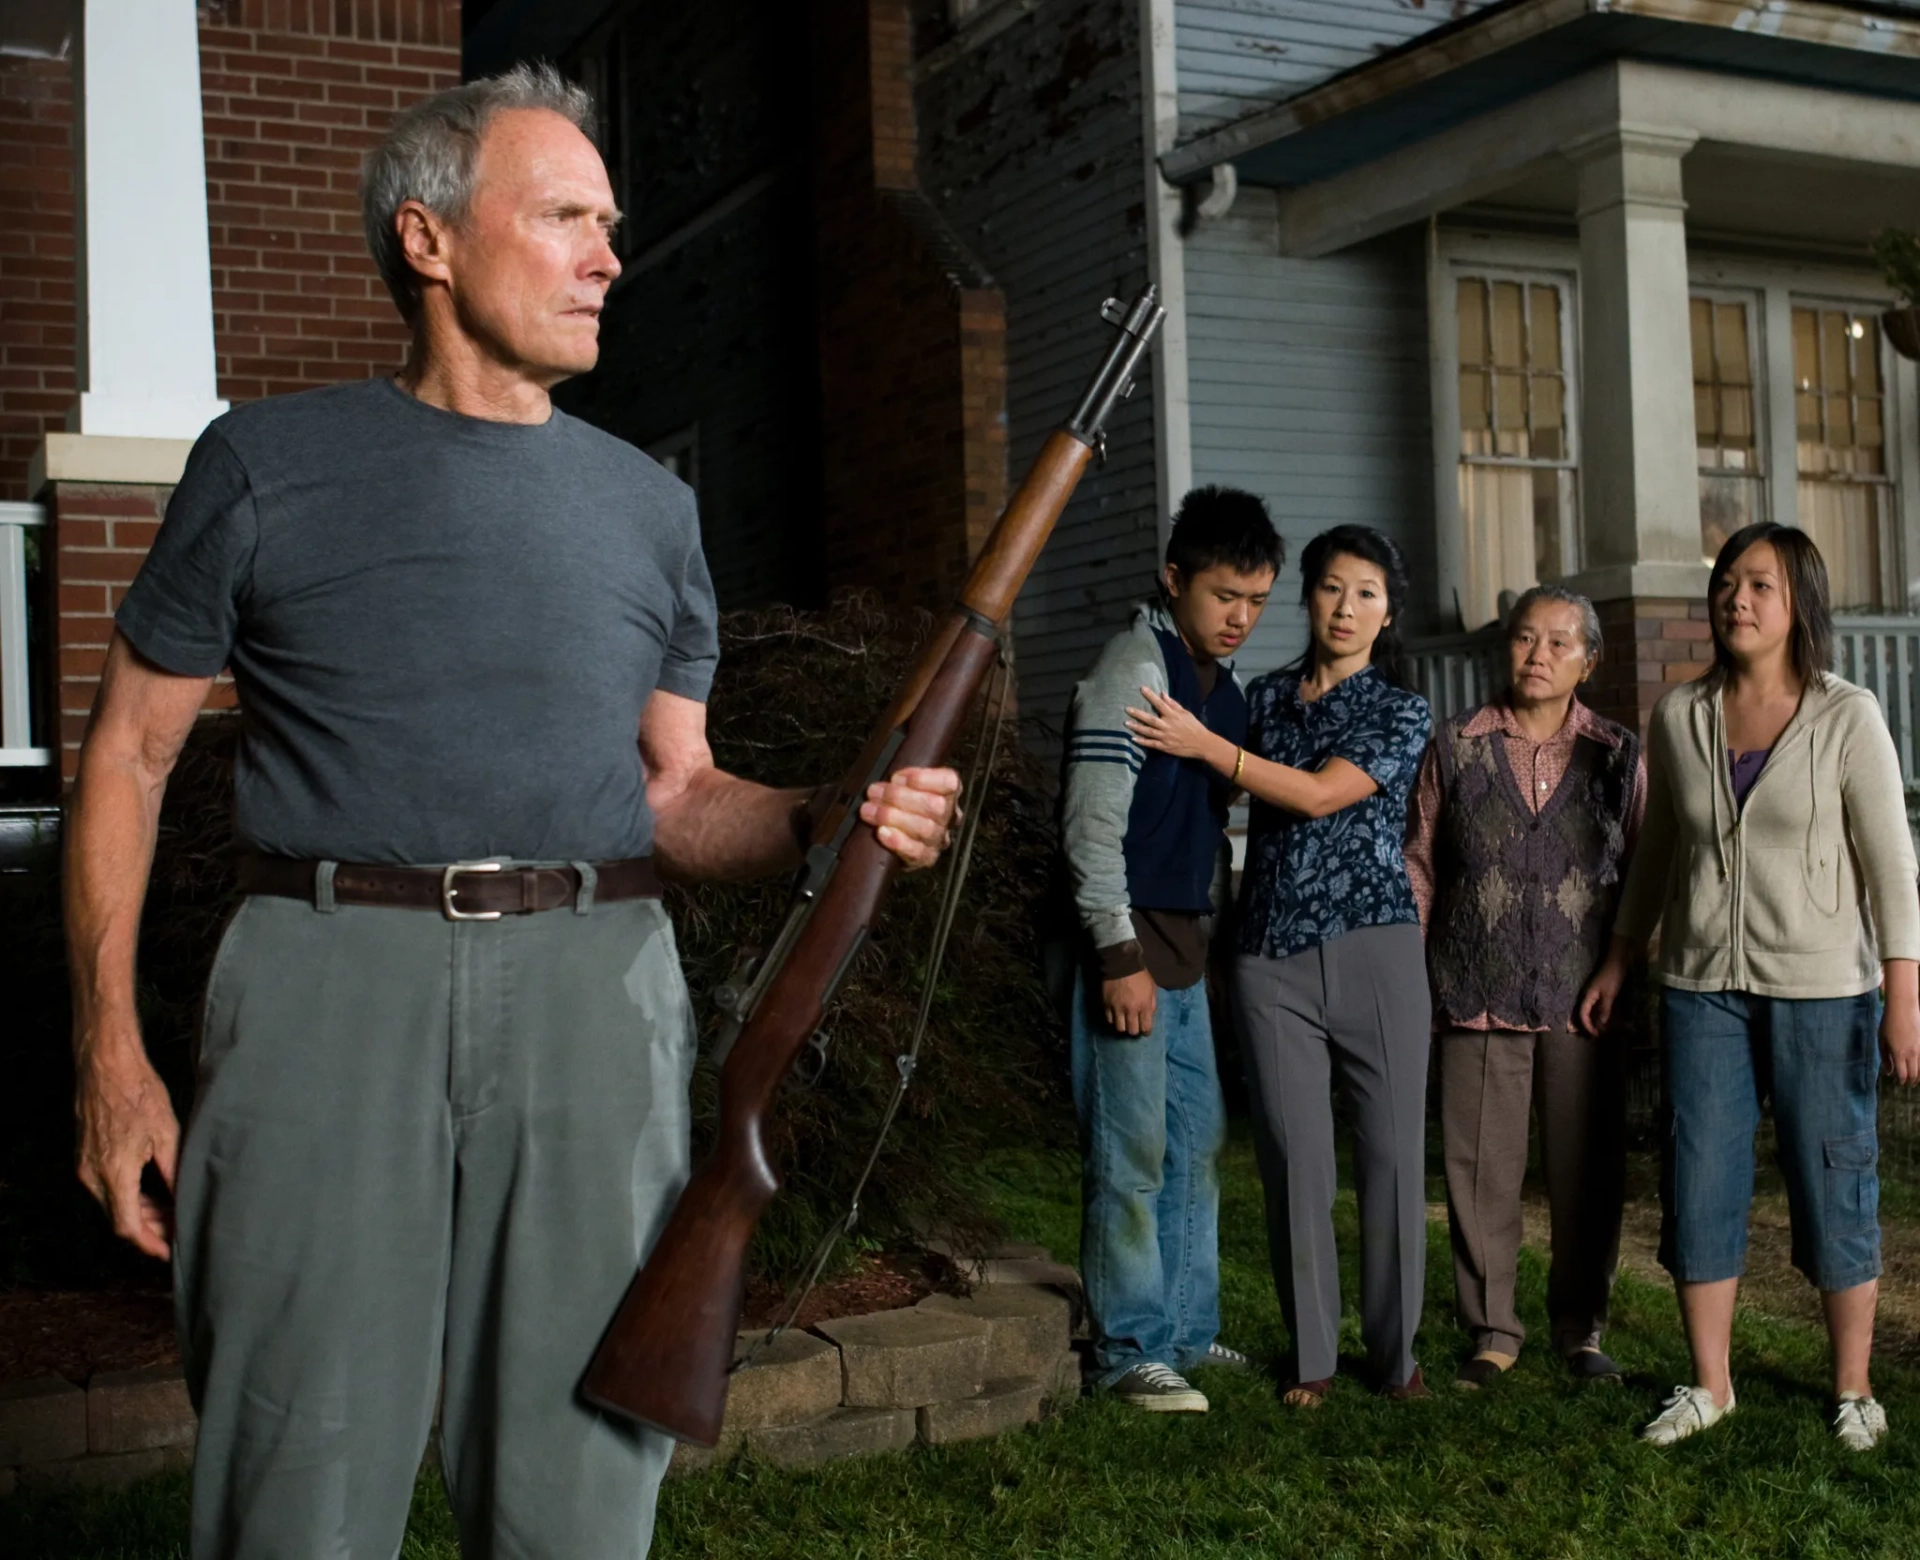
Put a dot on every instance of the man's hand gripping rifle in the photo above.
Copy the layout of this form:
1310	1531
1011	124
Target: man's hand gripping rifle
665	1357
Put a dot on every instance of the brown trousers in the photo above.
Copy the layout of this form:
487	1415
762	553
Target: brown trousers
1488	1080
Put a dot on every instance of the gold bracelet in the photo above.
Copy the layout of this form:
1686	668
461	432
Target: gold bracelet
1239	763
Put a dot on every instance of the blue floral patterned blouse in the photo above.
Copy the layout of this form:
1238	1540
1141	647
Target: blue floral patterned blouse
1309	880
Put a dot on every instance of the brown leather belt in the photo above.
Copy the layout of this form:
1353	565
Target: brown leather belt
482	891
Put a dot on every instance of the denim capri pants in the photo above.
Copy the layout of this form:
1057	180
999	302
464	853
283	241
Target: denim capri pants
1819	1059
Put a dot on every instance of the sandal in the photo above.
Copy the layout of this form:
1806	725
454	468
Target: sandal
1306	1394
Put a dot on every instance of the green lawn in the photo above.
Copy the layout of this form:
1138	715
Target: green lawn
1534	1469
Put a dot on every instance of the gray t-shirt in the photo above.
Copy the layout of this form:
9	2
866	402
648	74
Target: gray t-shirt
443	629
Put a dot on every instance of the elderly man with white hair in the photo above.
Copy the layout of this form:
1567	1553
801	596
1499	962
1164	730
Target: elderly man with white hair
441	1107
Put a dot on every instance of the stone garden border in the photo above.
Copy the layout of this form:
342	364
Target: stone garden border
948	1369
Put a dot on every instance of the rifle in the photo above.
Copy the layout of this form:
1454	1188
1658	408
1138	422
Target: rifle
665	1356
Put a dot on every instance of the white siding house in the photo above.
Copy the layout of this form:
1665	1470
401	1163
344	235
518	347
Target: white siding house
1549	289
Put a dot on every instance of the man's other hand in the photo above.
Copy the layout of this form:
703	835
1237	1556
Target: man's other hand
913	813
126	1122
1129	1003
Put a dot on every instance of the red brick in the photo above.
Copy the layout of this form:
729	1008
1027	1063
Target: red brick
78	600
135	533
89	567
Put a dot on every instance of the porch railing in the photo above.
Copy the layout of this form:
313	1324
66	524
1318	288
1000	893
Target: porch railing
1881	654
1457	671
21	526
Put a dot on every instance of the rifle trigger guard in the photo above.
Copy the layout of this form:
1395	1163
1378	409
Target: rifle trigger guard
813	1064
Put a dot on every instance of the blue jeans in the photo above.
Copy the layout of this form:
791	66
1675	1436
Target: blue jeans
1819	1058
1151	1125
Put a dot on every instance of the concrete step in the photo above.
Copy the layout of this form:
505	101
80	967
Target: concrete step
138	1411
1028	1325
1000	1405
112	1471
43	1419
1066	1378
848	1432
909	1357
792	1380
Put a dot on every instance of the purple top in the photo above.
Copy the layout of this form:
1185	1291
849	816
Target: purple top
1746	769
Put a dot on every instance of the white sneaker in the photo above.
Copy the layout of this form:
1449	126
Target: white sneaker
1159	1389
1860	1423
1689	1411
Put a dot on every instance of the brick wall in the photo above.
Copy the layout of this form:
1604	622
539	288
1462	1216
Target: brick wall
912	333
294	92
1651	645
36	261
101	535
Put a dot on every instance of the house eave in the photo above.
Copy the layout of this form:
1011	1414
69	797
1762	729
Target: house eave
1517	48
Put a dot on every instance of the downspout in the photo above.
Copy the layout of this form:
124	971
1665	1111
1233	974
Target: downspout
1166	261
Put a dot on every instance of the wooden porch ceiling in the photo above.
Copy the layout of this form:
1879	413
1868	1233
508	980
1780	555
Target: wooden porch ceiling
1509	52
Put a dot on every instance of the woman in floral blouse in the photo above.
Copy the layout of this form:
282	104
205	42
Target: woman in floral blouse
1330	977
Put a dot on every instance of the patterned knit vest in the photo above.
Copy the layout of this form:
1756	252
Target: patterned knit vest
1525	900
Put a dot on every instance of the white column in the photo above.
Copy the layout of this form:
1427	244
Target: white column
145	288
1639	471
1166	264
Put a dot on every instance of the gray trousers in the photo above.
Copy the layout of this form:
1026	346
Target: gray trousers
423	1163
1355	1009
1577	1085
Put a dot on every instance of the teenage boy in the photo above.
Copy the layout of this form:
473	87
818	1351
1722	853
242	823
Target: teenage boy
1145	838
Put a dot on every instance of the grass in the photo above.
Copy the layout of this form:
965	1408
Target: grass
1533	1469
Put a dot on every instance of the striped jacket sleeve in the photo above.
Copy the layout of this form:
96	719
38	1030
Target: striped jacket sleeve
1102	763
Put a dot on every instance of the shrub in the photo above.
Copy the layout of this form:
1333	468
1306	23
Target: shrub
794	698
1898	254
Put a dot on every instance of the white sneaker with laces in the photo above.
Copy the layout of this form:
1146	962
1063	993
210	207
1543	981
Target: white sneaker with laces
1860	1423
1689	1411
1159	1389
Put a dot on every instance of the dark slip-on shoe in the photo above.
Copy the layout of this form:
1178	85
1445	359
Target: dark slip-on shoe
1478	1372
1591	1366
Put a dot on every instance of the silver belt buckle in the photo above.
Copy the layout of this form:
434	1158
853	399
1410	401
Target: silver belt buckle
447	891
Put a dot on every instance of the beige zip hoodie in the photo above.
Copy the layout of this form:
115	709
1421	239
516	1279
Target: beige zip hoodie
1784	897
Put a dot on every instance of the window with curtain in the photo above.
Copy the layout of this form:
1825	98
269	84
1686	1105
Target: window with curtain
1517	448
1724	419
1845	490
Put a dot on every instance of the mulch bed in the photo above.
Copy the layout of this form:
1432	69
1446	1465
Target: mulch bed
74	1333
878	1282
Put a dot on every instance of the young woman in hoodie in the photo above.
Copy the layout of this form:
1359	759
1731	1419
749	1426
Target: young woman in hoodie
1776	865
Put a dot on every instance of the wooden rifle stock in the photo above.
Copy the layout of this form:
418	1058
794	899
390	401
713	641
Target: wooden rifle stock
664	1358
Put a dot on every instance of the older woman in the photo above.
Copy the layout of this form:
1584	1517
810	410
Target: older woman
1778	870
1518	833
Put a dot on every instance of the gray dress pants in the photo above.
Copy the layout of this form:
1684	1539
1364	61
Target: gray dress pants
424	1159
1356	1009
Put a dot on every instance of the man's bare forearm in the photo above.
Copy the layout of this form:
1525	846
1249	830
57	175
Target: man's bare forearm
112	826
718	826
